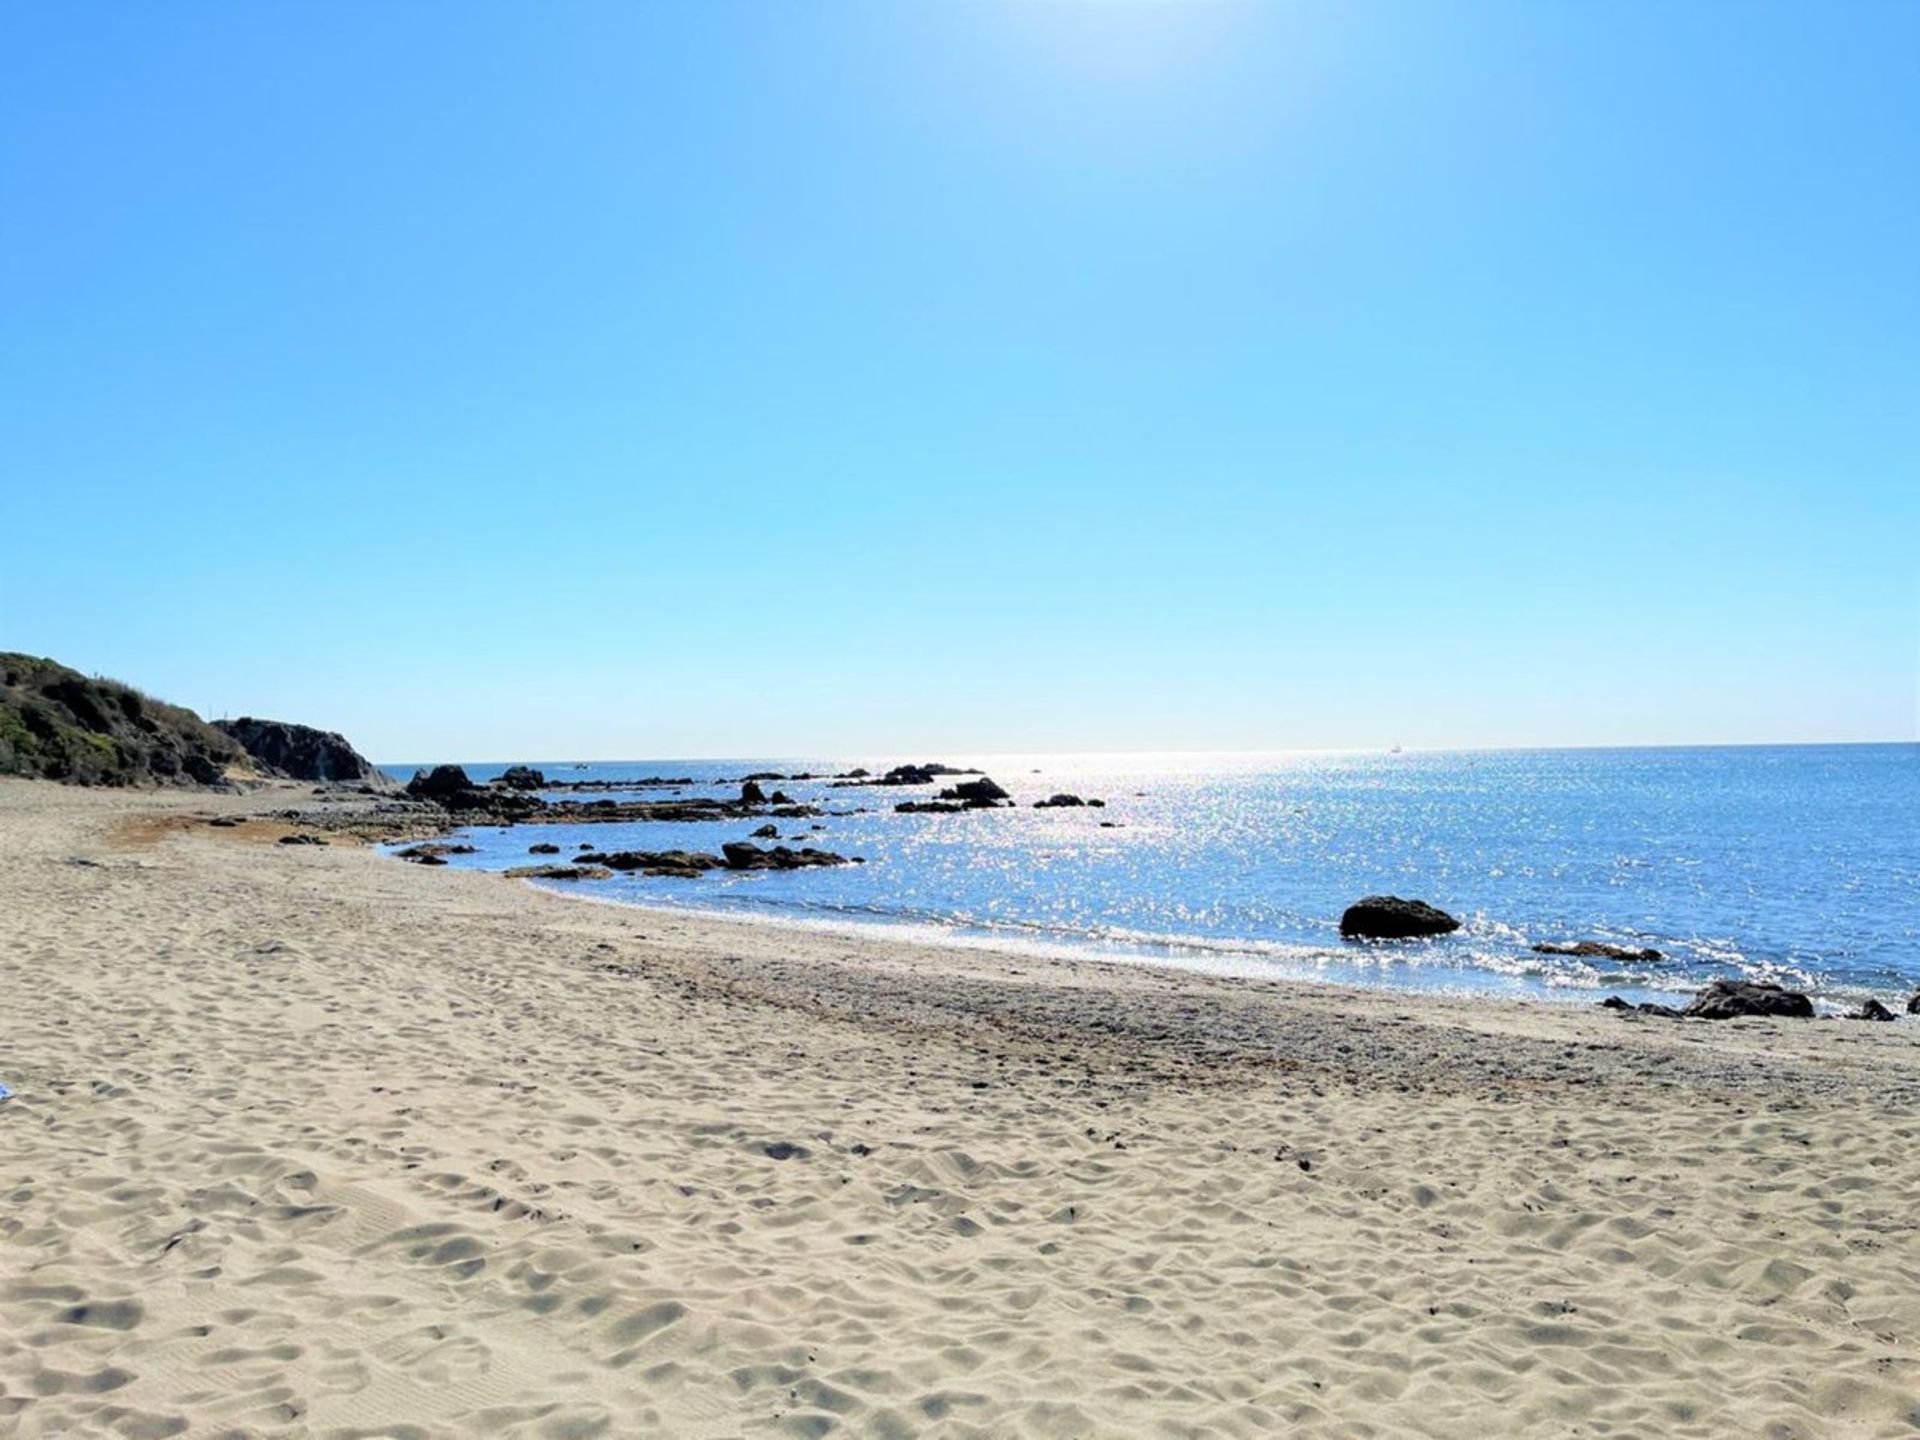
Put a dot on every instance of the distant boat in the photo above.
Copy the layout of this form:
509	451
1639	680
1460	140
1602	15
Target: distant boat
1394	751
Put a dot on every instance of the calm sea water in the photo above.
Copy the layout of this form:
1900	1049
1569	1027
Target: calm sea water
1797	863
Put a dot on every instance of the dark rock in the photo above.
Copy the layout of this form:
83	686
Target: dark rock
559	872
1596	950
905	775
654	862
434	849
1728	999
767	832
299	752
1058	802
543	849
428	860
752	794
438	783
1913	1005
929	807
522	777
780	797
785	1150
1871	1010
741	856
223	822
1388	917
765	775
1645	1007
301	840
975	794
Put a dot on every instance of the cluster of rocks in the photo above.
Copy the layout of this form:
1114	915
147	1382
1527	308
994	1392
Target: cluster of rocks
924	774
734	855
1732	999
508	801
981	794
558	872
1065	801
1389	917
434	853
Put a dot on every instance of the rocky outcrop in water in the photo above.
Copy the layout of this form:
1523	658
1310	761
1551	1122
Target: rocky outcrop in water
1870	1010
741	856
905	775
1388	917
521	777
1597	950
976	794
439	782
433	852
451	788
1058	802
686	863
1731	999
559	872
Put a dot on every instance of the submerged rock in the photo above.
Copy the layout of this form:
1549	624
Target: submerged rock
559	872
1597	950
767	832
1730	999
1388	917
543	849
1057	802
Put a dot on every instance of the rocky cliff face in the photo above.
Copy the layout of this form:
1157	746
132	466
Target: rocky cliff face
299	751
57	724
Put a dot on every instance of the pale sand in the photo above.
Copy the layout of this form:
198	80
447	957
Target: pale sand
306	1141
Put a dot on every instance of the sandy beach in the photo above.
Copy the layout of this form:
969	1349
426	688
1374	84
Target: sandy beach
307	1142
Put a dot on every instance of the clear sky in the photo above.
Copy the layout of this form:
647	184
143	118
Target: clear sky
602	380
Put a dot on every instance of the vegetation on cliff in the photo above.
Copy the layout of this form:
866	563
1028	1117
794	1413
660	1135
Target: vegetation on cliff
57	724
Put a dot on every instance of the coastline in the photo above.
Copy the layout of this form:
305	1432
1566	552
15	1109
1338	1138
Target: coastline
425	1147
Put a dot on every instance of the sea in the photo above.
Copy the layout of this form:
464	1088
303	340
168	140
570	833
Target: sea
1799	864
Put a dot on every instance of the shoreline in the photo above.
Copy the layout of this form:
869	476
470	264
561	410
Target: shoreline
1065	950
304	1141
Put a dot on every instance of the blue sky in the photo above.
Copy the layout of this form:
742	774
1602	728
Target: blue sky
672	380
